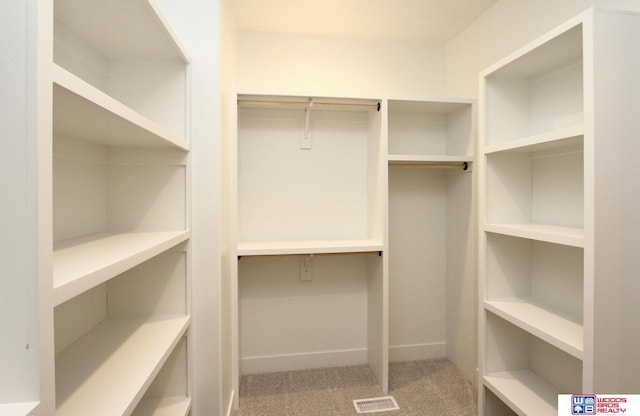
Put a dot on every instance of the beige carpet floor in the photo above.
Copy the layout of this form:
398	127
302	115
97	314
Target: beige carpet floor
421	388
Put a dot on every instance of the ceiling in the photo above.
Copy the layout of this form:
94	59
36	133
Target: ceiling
431	21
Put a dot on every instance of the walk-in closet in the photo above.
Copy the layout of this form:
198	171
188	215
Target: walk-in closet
300	208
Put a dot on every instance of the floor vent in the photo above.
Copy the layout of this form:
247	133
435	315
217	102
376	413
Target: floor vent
377	404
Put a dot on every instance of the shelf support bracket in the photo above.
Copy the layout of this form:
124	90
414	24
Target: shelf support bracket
305	140
306	268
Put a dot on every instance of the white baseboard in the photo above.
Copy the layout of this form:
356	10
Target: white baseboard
415	352
337	358
301	361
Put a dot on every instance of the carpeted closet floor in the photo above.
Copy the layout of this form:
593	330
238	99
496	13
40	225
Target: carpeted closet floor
421	388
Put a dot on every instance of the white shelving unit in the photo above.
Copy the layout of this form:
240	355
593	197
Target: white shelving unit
321	217
430	159
550	145
119	196
310	191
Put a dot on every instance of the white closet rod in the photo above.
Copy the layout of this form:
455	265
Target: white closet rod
303	105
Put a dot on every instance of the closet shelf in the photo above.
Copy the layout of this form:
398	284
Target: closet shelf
279	248
143	32
525	392
18	409
568	236
556	327
82	263
168	406
82	111
568	137
107	371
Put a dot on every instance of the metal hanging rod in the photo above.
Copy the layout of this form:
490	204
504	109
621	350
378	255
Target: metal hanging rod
304	105
460	165
347	253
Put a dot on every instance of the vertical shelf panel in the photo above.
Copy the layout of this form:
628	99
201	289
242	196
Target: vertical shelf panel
22	346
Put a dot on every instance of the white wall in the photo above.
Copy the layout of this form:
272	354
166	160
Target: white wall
507	26
334	66
197	24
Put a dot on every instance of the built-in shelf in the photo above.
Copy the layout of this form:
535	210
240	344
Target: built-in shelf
18	409
568	137
549	233
275	248
525	392
82	111
143	32
107	371
534	176
547	323
168	406
426	130
82	263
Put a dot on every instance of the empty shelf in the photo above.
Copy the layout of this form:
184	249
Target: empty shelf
275	248
568	236
553	326
525	392
107	371
82	263
82	111
568	137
